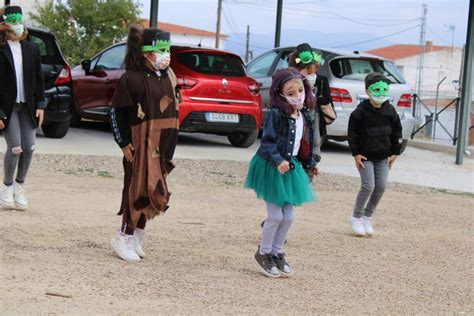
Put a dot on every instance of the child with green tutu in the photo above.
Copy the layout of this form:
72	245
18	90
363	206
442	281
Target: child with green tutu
277	171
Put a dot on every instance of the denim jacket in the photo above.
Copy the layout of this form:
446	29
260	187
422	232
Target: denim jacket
278	140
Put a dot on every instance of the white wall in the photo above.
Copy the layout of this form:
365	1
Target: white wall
436	66
206	41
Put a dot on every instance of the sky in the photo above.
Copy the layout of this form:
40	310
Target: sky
394	21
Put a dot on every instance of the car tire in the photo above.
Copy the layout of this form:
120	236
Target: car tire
243	140
75	120
56	129
404	145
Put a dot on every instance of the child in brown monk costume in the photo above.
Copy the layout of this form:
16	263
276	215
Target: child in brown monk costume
144	119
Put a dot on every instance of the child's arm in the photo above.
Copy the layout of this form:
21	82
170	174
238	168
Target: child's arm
269	140
395	140
353	137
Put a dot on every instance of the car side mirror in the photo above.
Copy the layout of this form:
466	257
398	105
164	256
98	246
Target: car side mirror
86	65
99	73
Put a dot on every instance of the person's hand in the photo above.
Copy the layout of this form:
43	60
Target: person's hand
283	167
314	172
2	125
391	160
359	161
40	116
128	152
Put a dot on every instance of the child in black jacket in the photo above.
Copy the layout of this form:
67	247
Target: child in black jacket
374	135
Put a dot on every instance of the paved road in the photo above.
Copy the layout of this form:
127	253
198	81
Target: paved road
415	166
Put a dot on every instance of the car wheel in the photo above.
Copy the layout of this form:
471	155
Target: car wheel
56	129
404	145
243	140
75	120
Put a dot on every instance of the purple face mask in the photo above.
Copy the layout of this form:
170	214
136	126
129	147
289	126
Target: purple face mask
296	102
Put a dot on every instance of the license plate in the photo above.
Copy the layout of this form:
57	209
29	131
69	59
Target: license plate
222	117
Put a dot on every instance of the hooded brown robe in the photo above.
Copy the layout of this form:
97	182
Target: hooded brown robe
149	103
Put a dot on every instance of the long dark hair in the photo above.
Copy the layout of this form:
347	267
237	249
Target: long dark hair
134	57
278	80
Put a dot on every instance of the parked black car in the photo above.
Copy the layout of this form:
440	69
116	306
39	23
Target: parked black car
57	83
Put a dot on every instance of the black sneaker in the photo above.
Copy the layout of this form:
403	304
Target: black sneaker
282	264
266	264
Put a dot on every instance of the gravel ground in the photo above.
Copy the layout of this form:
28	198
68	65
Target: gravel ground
199	254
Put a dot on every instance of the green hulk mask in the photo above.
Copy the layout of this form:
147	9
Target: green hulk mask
379	91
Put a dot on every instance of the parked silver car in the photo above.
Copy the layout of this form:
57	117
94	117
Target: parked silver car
346	72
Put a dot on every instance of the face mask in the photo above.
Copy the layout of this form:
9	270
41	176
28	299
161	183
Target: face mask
311	79
162	61
379	100
296	102
18	28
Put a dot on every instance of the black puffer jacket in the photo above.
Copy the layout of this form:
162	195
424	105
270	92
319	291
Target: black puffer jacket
374	132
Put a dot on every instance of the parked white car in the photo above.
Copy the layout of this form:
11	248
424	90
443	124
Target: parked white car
346	72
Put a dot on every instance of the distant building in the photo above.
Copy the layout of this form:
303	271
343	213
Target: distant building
190	36
439	61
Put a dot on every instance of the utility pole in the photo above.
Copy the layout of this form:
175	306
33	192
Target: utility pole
154	13
218	26
451	28
247	53
278	23
466	90
421	56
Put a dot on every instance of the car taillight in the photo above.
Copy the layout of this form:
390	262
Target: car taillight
254	87
340	95
186	83
405	100
64	76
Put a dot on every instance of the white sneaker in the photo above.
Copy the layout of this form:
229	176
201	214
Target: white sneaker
20	198
368	225
138	239
124	247
357	226
6	197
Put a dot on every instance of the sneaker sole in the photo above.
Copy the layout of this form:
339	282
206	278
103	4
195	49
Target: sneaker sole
262	270
20	207
117	253
7	205
286	275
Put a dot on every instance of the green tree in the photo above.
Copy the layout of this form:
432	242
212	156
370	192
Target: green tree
84	27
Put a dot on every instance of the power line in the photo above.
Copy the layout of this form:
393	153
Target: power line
319	14
435	34
378	38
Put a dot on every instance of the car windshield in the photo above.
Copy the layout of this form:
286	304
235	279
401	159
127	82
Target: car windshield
357	69
212	64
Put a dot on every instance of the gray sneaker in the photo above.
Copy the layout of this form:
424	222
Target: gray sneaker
282	264
266	264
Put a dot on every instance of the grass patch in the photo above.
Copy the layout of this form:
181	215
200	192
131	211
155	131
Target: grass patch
457	193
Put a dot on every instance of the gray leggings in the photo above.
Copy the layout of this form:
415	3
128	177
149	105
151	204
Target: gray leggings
276	227
373	180
20	137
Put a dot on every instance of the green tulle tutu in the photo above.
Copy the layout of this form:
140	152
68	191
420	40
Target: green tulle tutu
292	188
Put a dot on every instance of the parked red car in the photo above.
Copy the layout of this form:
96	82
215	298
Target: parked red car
218	95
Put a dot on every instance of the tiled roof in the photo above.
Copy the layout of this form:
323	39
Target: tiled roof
183	30
401	51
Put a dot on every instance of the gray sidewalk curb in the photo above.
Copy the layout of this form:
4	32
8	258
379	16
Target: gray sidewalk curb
433	146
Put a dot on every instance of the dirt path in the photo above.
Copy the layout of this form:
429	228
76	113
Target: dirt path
200	253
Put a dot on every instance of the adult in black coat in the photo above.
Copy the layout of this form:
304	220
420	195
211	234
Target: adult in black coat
22	103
